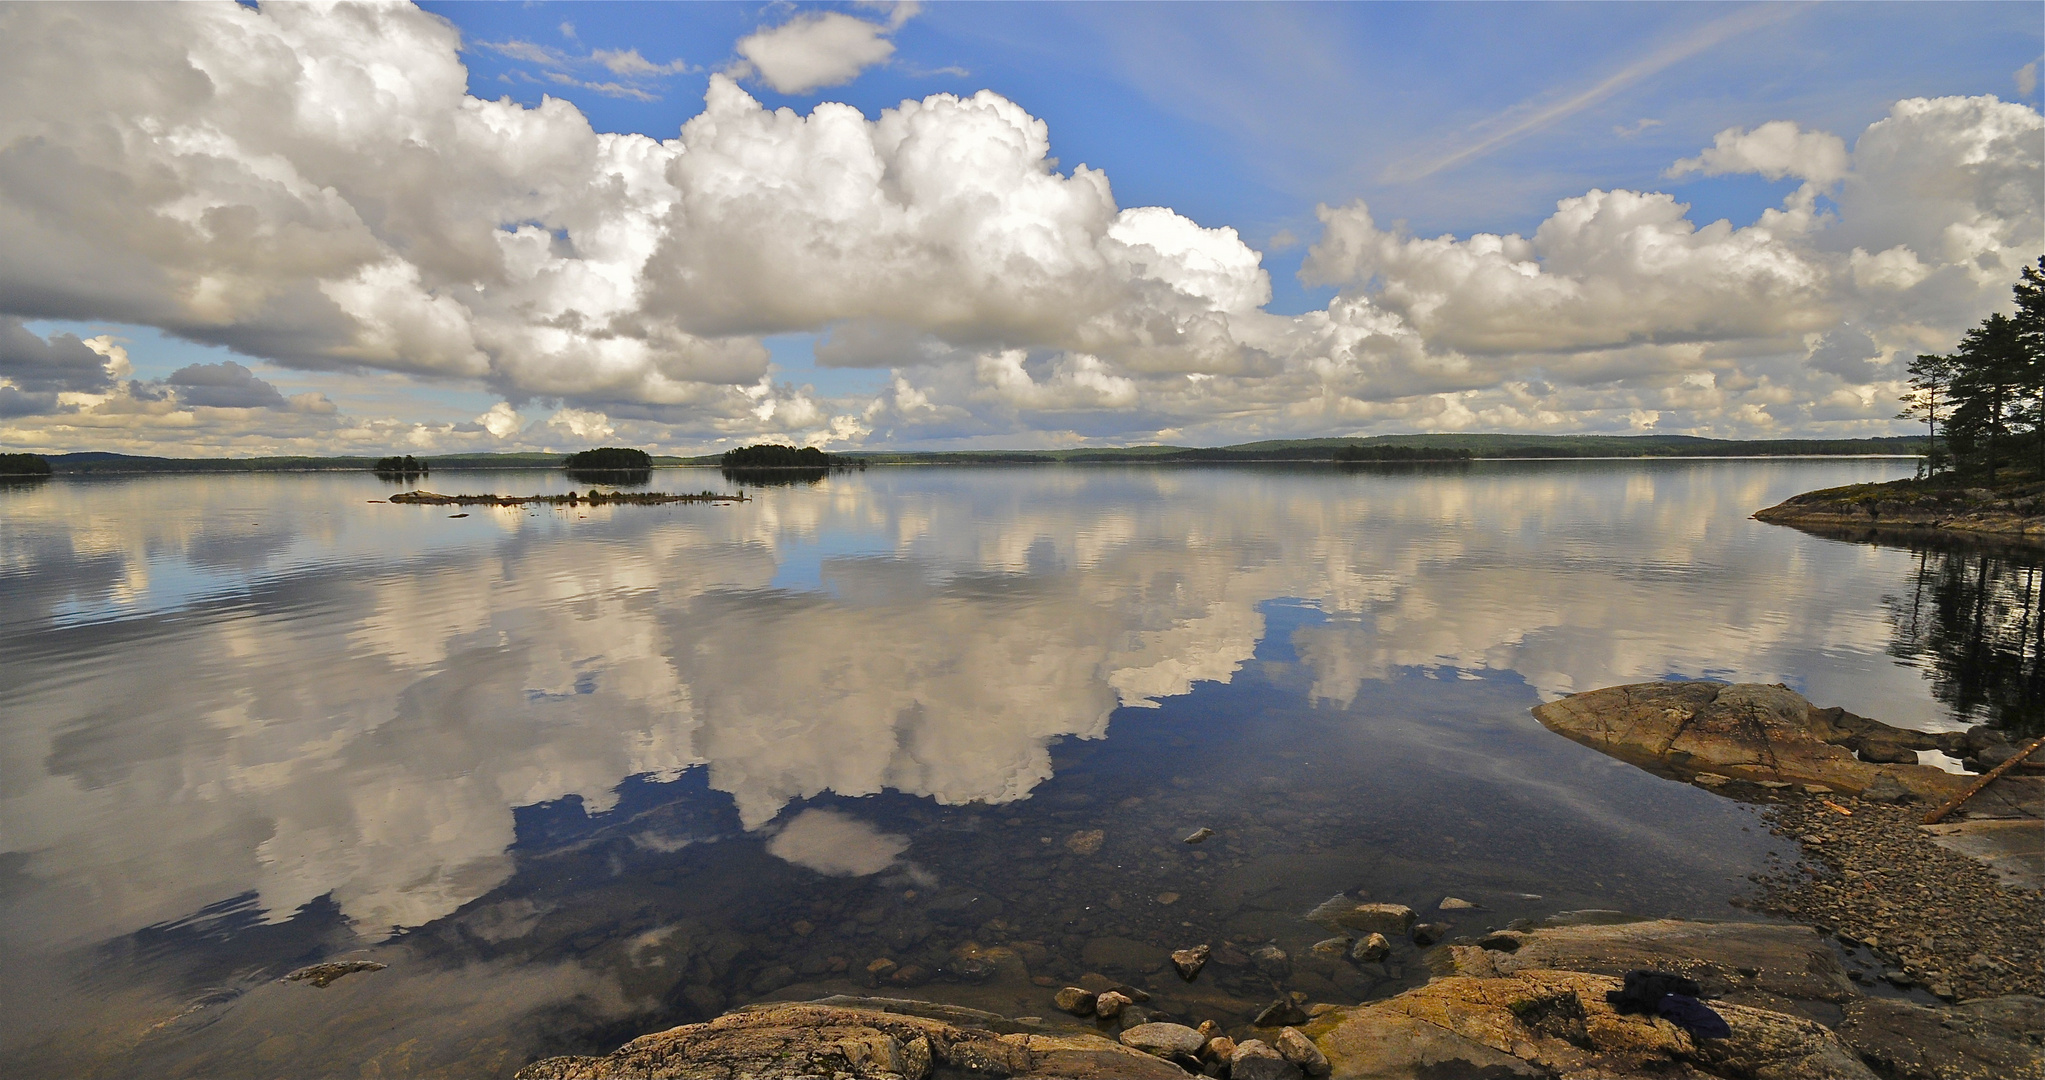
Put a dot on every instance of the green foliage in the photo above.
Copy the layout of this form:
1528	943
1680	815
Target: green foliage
610	458
401	466
1402	453
772	456
23	465
1994	387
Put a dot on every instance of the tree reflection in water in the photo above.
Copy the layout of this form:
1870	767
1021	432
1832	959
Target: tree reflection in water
1972	622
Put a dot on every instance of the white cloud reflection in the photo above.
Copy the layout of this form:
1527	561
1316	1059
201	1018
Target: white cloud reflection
366	731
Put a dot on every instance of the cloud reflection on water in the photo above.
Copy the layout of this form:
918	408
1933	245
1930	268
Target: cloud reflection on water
362	716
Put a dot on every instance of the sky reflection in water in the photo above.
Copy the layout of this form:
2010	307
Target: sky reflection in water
316	722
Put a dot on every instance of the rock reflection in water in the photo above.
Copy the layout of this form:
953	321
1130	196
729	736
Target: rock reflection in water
1972	620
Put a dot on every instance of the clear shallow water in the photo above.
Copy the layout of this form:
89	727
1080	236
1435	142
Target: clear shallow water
575	774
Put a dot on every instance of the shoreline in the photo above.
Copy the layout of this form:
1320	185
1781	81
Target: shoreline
1905	957
1915	508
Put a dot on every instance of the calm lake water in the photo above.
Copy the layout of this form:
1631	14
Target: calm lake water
575	773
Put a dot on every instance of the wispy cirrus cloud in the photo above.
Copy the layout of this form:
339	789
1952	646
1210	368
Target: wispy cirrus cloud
1537	113
636	77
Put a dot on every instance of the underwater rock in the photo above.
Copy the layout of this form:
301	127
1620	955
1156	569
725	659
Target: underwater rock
1074	1000
1372	949
324	975
1188	962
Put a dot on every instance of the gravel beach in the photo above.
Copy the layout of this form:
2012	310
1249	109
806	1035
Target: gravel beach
1875	878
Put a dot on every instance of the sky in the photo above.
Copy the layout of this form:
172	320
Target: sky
329	228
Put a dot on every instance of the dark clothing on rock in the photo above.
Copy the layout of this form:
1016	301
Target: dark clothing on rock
1671	997
1693	1016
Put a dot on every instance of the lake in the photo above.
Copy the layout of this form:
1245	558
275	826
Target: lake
576	773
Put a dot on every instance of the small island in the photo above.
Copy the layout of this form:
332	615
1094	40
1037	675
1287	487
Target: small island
609	459
592	498
1983	406
775	456
396	467
23	465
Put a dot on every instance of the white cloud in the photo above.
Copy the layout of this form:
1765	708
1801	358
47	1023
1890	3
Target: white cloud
583	423
815	50
1776	149
628	62
501	421
2026	79
324	195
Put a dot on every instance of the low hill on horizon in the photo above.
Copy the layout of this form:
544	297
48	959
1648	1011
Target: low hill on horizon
1481	446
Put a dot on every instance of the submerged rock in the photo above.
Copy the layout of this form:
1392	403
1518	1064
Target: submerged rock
1086	841
1280	1013
1373	949
1273	961
1340	913
324	975
1188	962
1074	1000
1110	1005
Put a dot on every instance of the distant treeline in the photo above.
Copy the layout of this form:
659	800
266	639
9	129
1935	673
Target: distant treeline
1385	448
609	459
774	456
400	466
23	465
1349	454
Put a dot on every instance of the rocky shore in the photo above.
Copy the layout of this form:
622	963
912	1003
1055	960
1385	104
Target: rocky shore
2014	512
1915	952
1523	1003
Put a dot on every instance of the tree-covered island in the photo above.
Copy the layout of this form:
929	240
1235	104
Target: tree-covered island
400	466
23	465
775	456
609	459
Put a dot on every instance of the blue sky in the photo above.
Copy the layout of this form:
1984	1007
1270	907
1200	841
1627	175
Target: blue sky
1444	118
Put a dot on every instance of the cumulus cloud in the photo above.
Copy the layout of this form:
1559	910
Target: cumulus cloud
1776	149
815	50
37	366
225	385
314	187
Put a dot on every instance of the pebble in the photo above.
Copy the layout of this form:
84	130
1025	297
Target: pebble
1371	950
1272	961
1255	1060
1188	962
1199	835
1301	1051
1109	1005
1164	1040
1453	903
1933	915
1280	1013
1074	1000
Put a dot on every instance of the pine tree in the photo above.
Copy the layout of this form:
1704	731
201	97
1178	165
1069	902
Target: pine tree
1931	380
